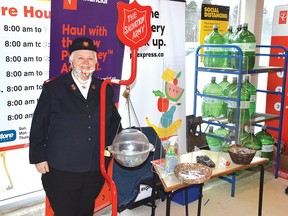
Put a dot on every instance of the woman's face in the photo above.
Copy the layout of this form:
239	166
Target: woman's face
84	60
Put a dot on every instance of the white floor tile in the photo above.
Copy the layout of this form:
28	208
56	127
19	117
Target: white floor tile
220	202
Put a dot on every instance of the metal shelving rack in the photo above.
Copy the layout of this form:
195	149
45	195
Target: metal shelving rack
257	117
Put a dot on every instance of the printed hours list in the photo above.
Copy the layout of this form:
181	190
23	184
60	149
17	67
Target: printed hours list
24	57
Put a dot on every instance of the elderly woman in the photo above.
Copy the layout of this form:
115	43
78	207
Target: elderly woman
65	130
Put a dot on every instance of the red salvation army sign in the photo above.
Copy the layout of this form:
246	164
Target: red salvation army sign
133	27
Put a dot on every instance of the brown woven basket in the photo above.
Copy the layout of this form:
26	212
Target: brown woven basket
192	173
241	155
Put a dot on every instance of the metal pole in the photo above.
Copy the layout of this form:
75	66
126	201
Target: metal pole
103	127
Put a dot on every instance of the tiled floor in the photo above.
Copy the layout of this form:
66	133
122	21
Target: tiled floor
217	197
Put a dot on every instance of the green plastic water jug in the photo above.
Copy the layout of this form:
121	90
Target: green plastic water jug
244	116
212	107
253	91
267	141
215	37
246	40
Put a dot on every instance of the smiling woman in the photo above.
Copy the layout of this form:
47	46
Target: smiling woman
67	154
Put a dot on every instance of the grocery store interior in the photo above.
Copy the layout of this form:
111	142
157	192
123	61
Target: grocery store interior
21	190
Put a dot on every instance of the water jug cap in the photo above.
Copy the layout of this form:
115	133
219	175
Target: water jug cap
251	130
210	128
246	78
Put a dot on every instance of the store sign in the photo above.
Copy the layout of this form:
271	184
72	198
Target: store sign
24	60
75	18
7	136
275	80
70	4
282	17
213	15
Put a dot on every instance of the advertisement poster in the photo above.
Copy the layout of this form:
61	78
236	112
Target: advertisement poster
24	60
158	93
80	18
275	80
213	15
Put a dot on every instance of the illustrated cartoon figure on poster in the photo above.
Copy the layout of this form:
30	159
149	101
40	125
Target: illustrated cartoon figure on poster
167	104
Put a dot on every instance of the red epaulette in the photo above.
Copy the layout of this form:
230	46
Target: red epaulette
49	80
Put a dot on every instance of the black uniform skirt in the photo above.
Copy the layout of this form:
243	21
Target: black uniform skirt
72	193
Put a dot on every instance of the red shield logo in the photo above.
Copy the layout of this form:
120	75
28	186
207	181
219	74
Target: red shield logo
134	26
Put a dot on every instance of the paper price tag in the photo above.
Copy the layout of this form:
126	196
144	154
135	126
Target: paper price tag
225	162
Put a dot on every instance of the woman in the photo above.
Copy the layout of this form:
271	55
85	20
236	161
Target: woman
65	131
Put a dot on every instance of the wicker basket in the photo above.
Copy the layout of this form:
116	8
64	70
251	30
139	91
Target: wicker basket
192	173
241	155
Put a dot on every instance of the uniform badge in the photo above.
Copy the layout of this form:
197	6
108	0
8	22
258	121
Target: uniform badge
73	87
49	80
85	44
93	86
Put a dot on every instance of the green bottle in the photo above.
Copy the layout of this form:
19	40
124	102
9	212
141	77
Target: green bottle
224	84
171	156
253	91
252	141
212	107
232	85
244	106
226	92
213	143
246	40
267	142
228	34
222	132
211	39
238	29
228	40
243	134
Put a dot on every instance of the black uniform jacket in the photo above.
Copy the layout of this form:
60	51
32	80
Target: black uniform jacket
65	127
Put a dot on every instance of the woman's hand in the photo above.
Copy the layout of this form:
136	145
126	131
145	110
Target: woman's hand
42	167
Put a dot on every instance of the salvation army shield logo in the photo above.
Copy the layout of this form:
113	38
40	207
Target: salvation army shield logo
134	26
